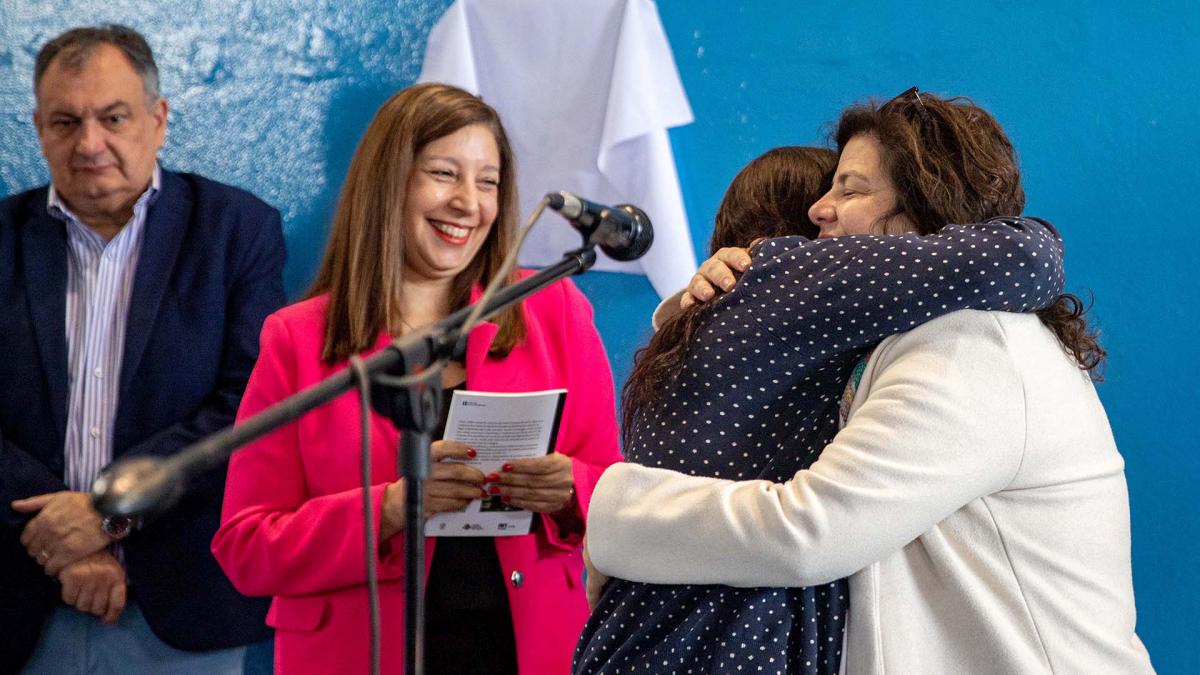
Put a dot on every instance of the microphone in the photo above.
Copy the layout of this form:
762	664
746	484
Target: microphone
139	486
623	231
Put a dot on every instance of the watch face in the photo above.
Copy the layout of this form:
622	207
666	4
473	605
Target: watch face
117	528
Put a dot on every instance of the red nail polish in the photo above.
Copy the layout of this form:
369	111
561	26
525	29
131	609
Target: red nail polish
483	493
506	499
507	467
471	453
491	478
495	489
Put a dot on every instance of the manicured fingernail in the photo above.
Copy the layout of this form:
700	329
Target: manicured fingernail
507	467
471	452
491	478
483	493
506	499
494	489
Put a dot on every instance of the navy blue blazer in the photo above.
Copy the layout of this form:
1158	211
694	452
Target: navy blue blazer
209	273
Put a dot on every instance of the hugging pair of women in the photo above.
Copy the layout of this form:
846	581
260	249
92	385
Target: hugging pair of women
880	449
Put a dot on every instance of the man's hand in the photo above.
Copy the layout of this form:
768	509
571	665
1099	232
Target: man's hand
65	529
596	580
96	585
718	272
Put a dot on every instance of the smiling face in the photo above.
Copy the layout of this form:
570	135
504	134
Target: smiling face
862	196
451	203
99	133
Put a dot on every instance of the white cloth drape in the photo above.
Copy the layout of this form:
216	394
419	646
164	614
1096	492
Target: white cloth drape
587	90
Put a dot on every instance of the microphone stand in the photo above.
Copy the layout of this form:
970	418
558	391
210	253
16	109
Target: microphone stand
146	486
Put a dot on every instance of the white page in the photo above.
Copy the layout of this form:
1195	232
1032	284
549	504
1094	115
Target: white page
500	427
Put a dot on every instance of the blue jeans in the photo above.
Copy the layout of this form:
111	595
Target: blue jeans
75	643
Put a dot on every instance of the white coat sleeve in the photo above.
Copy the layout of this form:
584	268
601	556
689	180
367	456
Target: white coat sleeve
942	424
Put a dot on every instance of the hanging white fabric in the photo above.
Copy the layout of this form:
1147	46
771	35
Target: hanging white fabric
587	90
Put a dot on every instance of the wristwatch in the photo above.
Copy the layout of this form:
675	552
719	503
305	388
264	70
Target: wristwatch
117	527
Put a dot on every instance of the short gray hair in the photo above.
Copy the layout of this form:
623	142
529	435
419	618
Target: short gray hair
76	46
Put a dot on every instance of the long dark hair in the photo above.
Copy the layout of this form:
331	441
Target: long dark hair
768	198
951	162
364	259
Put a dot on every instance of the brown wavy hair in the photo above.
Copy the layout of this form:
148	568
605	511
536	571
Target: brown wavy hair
951	162
364	260
768	198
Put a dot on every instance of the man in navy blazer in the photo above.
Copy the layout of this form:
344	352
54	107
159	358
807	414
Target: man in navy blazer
194	267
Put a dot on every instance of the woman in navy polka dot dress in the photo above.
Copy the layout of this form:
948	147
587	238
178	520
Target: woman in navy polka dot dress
755	395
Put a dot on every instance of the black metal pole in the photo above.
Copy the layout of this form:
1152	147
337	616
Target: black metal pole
414	467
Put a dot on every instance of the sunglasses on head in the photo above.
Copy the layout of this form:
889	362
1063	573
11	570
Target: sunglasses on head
910	94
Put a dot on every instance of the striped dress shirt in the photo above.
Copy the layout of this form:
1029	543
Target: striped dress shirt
99	286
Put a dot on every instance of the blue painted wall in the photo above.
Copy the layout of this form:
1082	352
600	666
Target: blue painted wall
1102	103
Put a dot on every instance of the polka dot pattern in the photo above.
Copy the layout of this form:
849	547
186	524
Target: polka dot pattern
758	397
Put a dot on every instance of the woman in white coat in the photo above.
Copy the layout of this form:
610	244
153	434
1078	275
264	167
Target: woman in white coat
975	496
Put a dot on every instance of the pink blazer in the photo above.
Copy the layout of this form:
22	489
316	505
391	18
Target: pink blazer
291	525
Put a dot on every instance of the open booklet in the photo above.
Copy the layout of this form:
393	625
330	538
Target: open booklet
501	427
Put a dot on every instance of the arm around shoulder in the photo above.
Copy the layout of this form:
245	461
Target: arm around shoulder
941	424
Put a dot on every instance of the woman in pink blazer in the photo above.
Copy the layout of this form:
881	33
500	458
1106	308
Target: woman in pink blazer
426	214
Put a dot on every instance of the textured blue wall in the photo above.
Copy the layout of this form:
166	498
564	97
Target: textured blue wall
271	96
1101	103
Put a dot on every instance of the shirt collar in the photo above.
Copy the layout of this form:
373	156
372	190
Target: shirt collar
58	208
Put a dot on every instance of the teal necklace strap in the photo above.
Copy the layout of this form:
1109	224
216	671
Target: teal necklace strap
852	388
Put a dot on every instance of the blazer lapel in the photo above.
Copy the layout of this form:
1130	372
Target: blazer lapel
166	225
478	343
45	254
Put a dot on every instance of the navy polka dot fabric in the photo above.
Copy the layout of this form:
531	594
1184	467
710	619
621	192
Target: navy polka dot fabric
758	398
